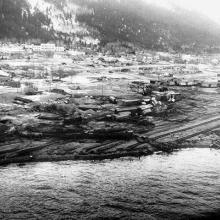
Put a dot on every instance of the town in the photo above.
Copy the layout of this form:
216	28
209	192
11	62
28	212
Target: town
88	102
109	109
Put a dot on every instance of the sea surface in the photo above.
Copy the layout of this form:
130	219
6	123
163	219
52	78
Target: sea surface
181	185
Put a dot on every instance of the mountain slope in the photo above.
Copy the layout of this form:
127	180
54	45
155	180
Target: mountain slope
147	24
141	22
16	21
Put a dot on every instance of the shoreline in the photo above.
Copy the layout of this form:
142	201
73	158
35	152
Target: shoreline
95	157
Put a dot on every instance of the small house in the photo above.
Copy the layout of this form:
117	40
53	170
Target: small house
4	76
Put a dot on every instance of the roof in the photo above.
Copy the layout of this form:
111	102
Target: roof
4	74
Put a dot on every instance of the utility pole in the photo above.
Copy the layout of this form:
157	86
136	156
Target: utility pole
102	87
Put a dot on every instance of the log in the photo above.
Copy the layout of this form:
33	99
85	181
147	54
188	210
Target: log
88	107
59	91
122	135
146	111
18	102
105	147
122	116
145	107
24	100
112	100
108	130
128	109
135	102
3	129
51	117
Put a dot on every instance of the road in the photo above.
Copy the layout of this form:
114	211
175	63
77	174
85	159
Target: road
187	131
138	67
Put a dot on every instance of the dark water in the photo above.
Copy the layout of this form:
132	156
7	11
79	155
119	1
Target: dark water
184	184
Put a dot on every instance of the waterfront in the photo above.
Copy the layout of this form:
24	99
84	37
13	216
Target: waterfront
180	185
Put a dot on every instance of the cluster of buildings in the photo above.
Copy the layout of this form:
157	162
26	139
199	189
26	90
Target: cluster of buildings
44	48
6	49
4	76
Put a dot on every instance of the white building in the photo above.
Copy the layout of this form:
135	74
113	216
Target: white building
9	49
4	76
48	47
36	48
45	48
76	53
60	49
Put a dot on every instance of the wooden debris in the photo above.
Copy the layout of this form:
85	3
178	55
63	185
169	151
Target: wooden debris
88	107
23	100
48	116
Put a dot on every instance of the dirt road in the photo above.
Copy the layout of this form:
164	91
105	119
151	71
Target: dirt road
187	131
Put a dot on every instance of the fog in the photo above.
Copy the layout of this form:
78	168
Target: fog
207	7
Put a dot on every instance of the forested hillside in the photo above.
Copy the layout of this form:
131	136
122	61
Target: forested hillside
16	21
148	25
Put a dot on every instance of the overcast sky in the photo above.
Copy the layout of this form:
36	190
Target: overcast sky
208	7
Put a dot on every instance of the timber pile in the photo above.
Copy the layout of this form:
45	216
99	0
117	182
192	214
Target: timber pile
216	145
4	129
89	107
22	101
66	150
48	116
72	121
59	91
111	133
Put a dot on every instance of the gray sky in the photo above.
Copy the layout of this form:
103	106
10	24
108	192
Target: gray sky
208	7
